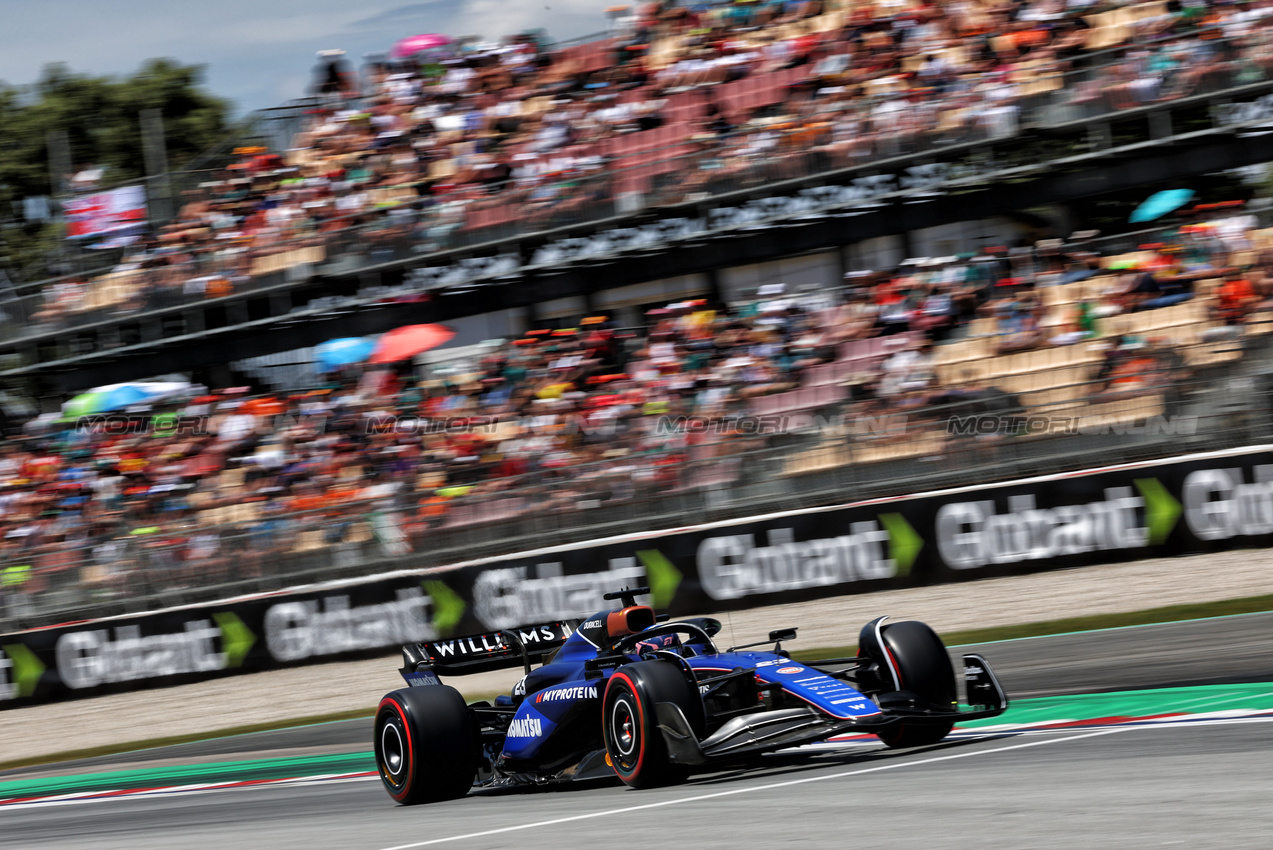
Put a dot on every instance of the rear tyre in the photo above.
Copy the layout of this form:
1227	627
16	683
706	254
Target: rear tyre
427	744
634	744
915	656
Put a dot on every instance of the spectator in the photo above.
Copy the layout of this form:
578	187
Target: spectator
1235	298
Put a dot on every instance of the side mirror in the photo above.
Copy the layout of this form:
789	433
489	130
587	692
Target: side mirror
778	635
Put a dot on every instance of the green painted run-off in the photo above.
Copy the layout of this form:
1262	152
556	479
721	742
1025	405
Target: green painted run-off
1132	704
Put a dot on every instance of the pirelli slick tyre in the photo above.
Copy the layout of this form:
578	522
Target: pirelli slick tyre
427	744
634	745
904	734
917	658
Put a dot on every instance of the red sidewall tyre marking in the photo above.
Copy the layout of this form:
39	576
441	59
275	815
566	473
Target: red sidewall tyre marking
406	731
897	668
640	709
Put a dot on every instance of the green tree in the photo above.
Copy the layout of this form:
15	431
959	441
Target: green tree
101	117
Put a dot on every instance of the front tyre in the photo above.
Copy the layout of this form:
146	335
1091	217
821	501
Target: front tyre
903	734
427	744
914	667
635	746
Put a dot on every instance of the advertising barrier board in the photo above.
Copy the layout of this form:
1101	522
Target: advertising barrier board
1187	504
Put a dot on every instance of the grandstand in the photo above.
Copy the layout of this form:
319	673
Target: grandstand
566	138
567	428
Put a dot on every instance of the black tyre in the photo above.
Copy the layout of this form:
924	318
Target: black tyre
635	746
427	744
905	734
915	665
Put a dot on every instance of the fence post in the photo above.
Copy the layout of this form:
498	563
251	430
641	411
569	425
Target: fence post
155	150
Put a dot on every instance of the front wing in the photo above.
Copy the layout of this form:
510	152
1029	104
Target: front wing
766	731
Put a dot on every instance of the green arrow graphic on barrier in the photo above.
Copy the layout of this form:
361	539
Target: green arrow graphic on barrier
236	638
663	577
27	668
1161	509
903	543
448	607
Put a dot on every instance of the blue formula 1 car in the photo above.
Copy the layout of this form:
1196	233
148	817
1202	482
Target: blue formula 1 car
625	692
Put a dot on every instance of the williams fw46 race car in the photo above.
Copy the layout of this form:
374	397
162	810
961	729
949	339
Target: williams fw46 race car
628	693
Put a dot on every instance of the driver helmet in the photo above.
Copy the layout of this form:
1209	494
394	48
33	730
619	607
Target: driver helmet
654	644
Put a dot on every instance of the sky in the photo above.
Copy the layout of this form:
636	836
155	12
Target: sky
258	53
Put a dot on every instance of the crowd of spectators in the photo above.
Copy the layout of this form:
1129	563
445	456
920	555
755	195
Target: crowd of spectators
684	99
470	138
233	484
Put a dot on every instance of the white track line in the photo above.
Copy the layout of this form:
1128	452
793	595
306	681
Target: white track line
771	786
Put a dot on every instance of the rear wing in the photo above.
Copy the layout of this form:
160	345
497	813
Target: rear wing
478	653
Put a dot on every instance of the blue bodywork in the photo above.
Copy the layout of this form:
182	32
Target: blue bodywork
559	690
624	693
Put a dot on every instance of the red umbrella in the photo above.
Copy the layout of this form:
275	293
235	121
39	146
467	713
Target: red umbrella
408	341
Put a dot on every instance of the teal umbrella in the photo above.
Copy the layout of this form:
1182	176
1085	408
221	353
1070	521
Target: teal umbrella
1159	204
102	400
335	353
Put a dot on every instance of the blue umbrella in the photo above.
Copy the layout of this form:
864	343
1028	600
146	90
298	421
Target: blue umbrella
125	395
118	396
1159	204
335	353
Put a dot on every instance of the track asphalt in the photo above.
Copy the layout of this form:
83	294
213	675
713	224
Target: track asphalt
1187	785
1146	736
